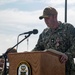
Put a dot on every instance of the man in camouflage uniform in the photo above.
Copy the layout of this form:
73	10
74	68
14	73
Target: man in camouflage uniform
58	36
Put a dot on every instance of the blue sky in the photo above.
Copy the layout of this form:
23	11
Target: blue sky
18	16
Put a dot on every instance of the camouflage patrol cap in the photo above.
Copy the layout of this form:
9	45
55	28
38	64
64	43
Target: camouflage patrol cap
48	11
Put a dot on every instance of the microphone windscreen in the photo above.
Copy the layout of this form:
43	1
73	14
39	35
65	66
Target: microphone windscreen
35	31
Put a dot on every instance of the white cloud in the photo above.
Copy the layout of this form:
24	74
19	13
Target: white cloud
18	17
42	1
71	2
57	1
6	42
54	2
71	16
2	2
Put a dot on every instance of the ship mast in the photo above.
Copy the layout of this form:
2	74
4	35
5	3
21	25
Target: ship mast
65	11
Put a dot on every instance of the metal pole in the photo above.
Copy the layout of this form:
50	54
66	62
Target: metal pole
65	11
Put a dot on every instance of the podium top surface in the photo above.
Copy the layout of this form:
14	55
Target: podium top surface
49	51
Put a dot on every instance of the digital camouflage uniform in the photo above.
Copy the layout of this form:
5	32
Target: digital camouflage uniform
60	39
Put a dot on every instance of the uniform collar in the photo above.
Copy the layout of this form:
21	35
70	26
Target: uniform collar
59	27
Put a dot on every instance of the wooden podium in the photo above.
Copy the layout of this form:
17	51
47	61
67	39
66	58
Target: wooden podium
41	63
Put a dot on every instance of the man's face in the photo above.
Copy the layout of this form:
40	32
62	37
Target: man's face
49	21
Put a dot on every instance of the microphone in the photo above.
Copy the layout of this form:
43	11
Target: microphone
34	31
